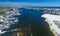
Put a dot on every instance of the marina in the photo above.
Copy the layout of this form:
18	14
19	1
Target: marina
28	21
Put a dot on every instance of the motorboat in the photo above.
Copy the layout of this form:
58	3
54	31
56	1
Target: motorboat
7	19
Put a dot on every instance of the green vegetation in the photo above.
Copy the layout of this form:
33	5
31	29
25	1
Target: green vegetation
2	12
4	9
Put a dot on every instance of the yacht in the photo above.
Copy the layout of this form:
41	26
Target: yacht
7	19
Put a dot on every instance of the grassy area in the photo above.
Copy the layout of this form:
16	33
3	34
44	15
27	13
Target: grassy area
2	12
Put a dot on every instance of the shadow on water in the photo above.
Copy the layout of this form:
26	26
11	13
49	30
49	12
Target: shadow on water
33	17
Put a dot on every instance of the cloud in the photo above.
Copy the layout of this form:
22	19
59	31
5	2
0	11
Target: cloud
29	4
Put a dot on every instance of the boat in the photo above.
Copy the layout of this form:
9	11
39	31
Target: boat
6	20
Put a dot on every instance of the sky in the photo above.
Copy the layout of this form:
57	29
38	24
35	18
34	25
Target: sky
29	2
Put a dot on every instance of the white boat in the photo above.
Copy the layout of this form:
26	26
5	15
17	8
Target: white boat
1	19
2	32
8	19
53	22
